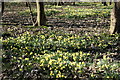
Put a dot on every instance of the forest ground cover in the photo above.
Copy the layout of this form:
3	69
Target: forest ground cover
74	44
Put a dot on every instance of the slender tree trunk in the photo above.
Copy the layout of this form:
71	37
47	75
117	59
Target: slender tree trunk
60	3
1	8
31	13
74	3
0	11
115	19
41	19
104	3
110	2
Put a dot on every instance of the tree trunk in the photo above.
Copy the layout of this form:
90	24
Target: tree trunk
60	3
104	3
115	19
74	3
110	2
41	18
1	8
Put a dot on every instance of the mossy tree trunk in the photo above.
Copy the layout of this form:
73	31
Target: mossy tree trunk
41	18
115	19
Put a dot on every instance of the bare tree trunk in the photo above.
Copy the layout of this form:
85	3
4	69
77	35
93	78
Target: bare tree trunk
74	3
41	19
110	2
115	19
31	13
1	8
42	14
60	3
104	3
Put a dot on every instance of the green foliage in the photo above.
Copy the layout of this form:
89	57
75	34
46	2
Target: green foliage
48	12
58	54
86	4
71	12
52	12
53	6
27	12
105	7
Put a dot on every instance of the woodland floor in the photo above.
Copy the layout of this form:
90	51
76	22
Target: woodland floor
15	22
12	18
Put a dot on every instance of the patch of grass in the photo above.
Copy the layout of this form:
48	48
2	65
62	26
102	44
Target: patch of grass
27	12
29	26
71	12
104	7
48	12
52	12
86	4
53	6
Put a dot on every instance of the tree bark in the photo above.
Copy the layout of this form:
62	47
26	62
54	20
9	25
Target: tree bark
1	8
115	19
41	18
